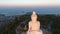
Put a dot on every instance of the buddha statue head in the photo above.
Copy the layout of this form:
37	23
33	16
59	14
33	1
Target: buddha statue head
34	16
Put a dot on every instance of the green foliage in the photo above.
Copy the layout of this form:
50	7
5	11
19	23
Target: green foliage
13	24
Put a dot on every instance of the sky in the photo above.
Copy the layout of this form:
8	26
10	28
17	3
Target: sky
29	2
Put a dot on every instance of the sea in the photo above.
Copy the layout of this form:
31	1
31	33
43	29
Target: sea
10	11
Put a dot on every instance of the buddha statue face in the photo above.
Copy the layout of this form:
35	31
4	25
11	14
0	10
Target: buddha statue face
34	16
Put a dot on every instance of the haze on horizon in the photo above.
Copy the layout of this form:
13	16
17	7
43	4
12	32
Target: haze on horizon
29	2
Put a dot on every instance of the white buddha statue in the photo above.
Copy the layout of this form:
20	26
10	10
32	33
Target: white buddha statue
34	25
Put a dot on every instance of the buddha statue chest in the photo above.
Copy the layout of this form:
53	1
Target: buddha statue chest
35	26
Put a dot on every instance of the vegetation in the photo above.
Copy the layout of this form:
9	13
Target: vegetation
44	19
